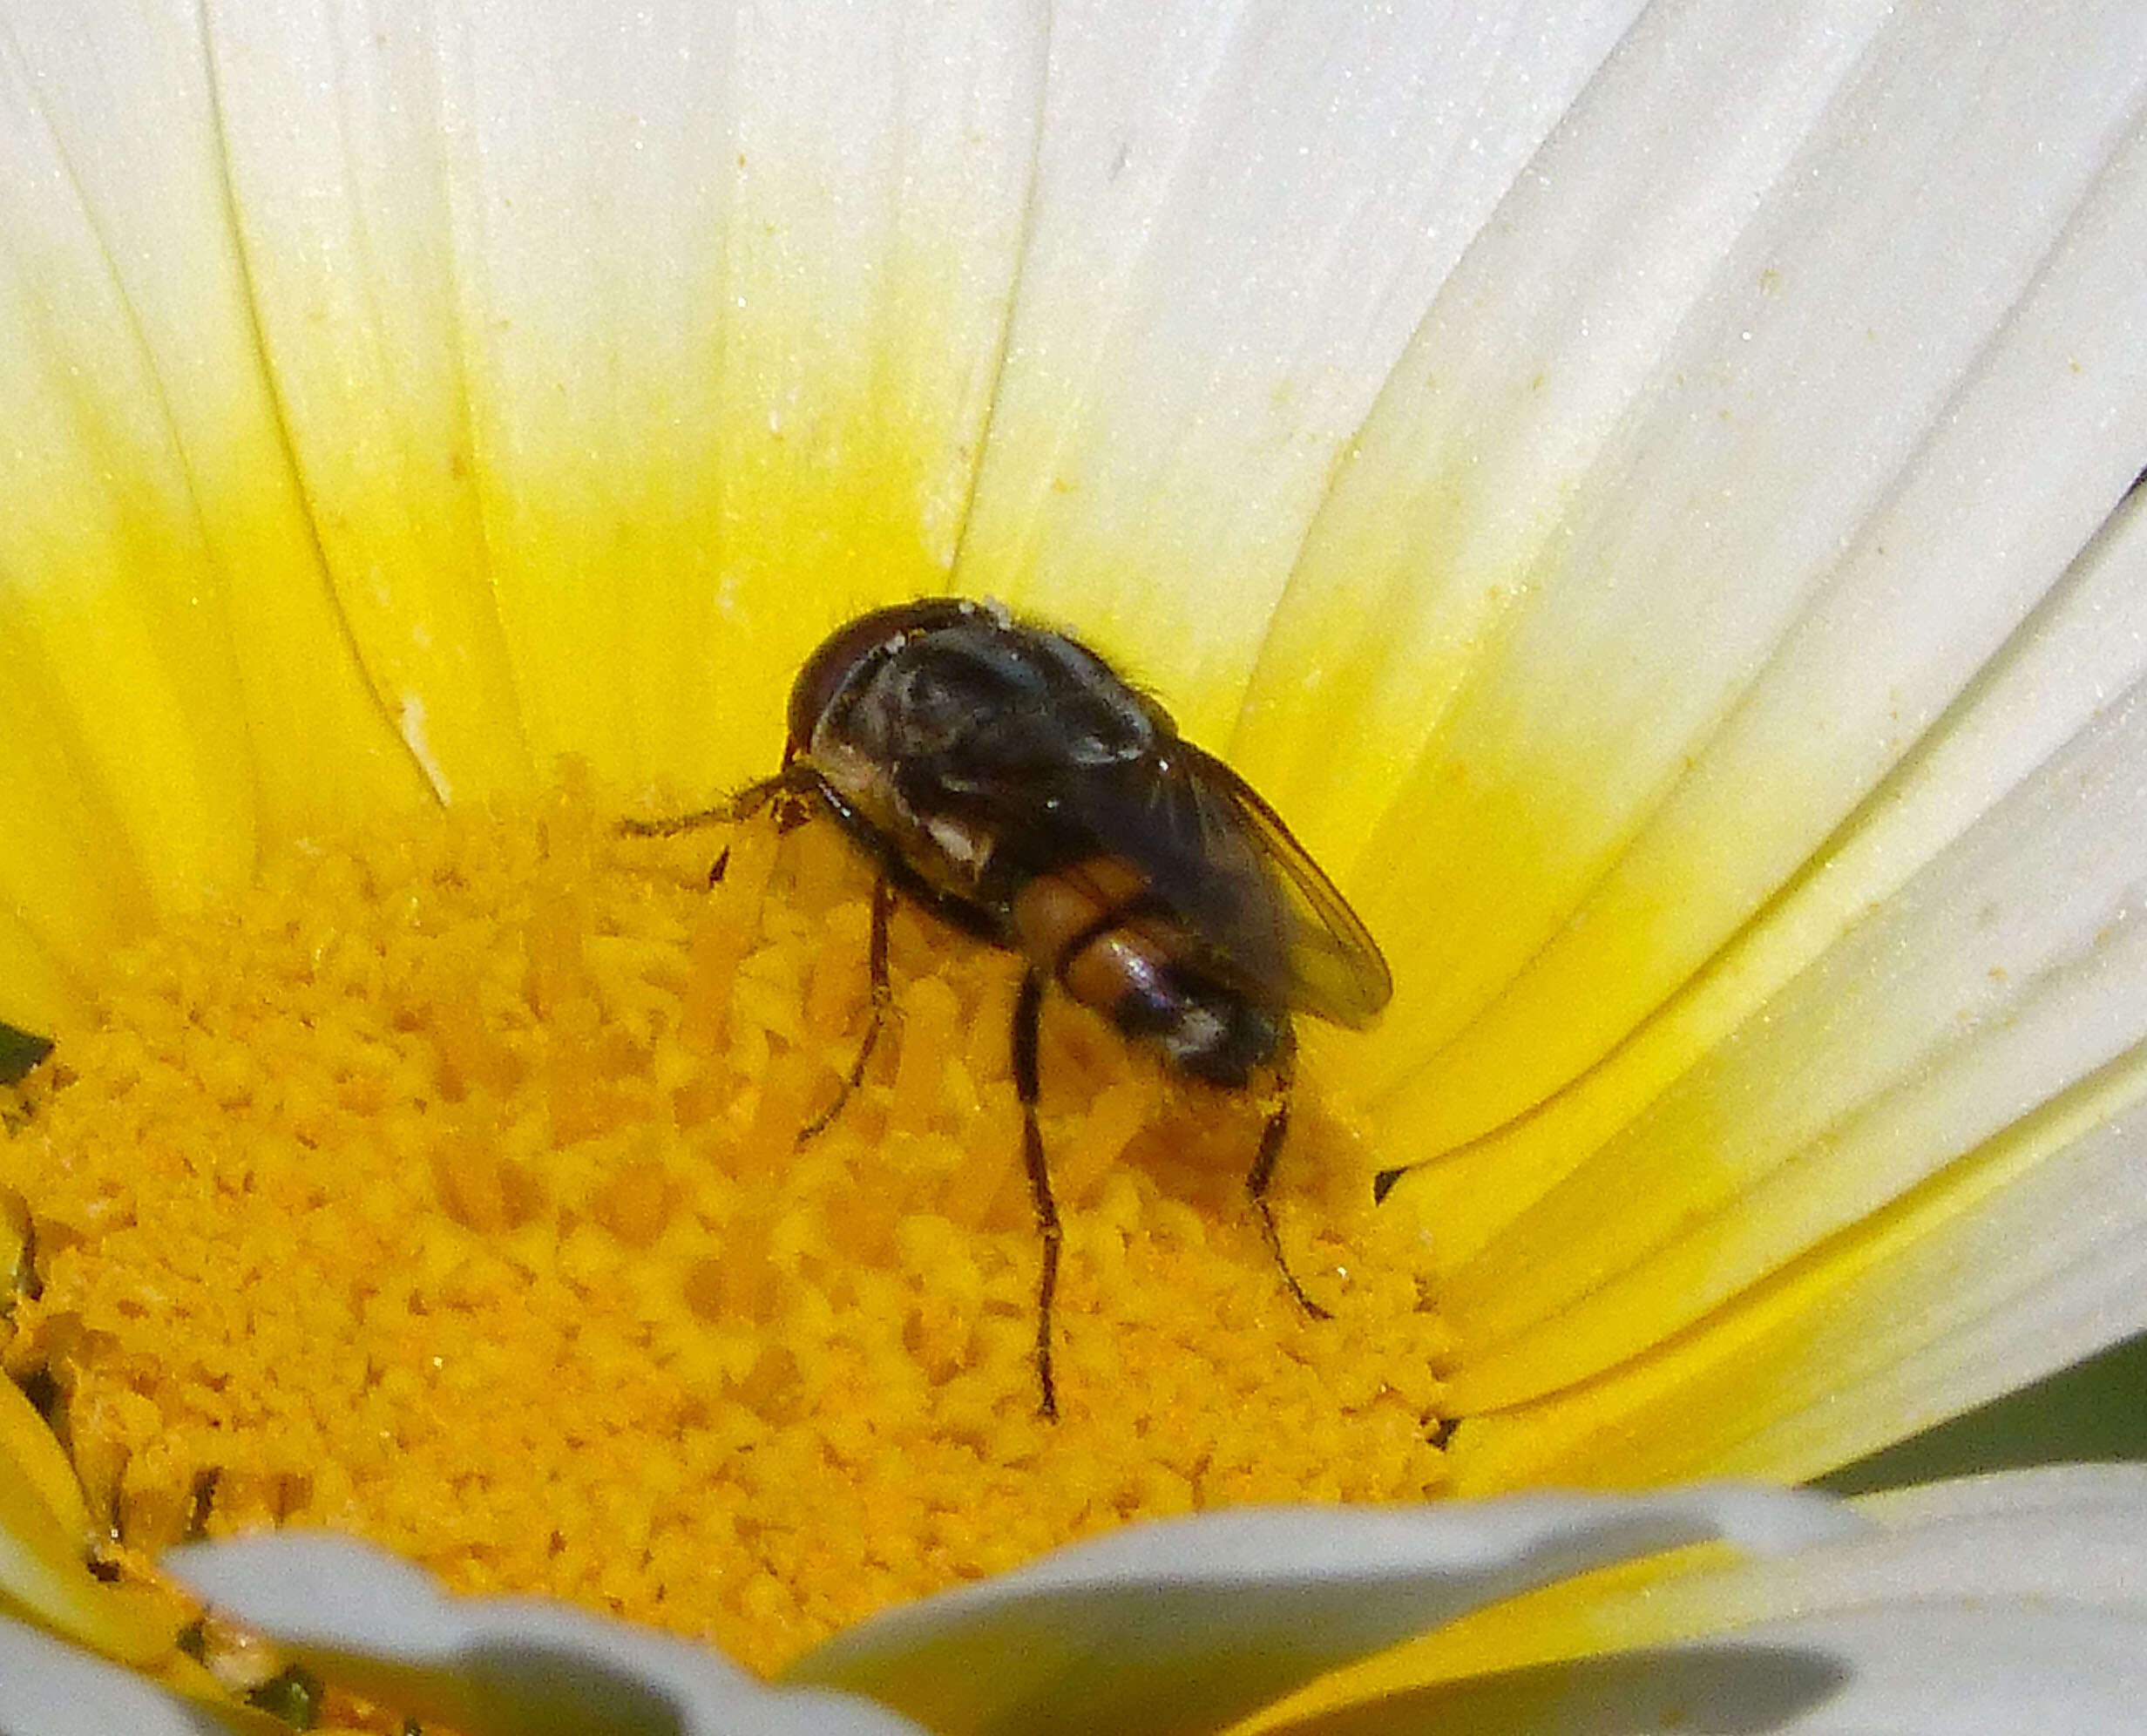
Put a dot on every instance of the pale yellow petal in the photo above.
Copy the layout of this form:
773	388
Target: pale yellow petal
2002	1267
107	623
178	683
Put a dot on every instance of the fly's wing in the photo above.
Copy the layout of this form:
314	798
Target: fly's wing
1222	862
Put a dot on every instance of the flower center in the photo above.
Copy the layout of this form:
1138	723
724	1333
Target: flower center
448	1189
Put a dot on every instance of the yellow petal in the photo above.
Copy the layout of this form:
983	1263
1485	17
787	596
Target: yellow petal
43	1529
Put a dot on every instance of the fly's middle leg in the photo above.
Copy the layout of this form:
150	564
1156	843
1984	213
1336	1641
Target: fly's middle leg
1028	1012
883	911
1272	1138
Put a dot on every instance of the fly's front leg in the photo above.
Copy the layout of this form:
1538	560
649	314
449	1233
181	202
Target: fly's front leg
1028	1012
1271	1137
786	791
882	911
671	825
742	806
789	784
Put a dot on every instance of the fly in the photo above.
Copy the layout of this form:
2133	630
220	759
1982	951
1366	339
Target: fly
1005	777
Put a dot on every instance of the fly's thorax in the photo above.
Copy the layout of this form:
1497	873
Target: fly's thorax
864	783
977	697
931	740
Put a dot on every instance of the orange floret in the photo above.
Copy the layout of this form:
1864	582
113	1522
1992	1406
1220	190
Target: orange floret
447	1188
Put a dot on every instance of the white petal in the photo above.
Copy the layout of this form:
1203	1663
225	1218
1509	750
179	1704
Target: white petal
1185	1625
2015	1603
505	1664
1893	656
1241	212
1904	715
1965	1059
49	1688
1865	358
1966	1671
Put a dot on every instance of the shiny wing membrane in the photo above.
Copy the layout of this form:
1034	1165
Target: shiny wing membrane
1336	970
1270	923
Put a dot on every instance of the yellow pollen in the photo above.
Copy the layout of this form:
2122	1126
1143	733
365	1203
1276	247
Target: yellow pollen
447	1190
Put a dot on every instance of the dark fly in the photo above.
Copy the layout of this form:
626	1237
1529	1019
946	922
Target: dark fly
1005	777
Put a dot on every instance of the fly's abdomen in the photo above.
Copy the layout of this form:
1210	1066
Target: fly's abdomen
1094	926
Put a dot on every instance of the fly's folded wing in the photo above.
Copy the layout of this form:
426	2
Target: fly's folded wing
1266	919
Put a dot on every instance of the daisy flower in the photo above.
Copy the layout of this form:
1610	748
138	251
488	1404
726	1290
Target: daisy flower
1644	490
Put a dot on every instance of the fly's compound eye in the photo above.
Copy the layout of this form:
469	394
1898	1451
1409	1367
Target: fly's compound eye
829	670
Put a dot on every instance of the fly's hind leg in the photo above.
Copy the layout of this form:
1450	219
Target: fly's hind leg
882	911
1271	1137
1028	1012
